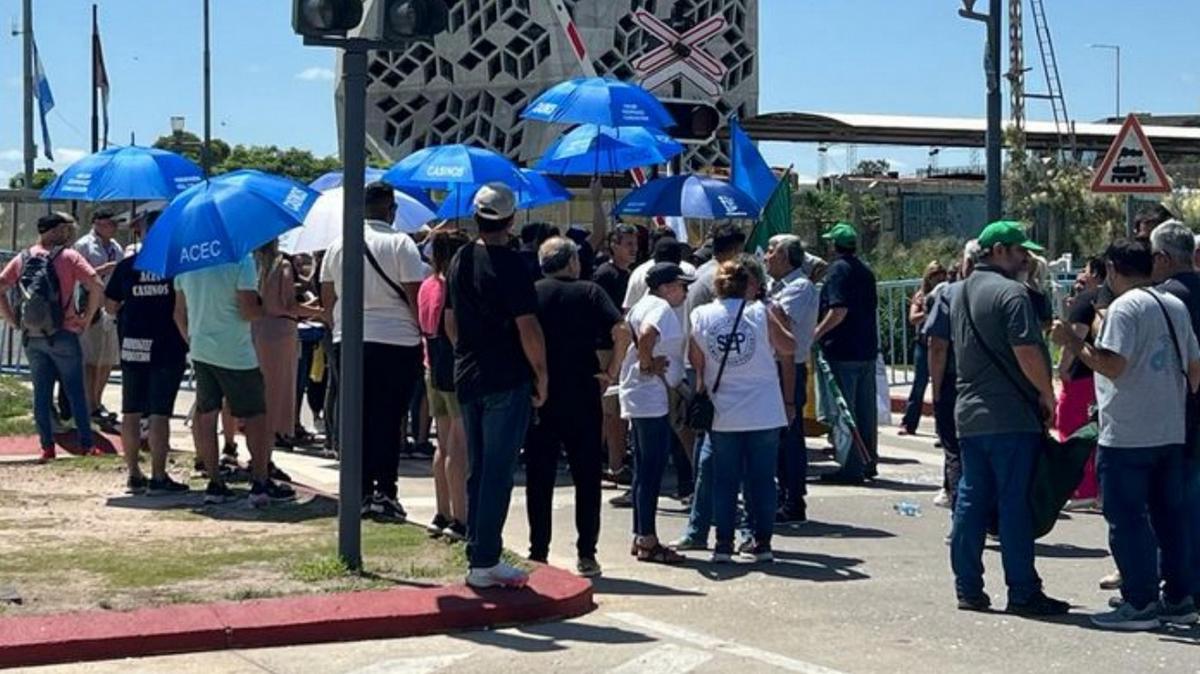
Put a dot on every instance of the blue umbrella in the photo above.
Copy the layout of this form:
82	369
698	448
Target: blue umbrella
125	174
599	100
334	179
222	220
537	191
689	196
592	149
444	166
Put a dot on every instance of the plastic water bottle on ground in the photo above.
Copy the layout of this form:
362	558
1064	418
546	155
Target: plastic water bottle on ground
907	509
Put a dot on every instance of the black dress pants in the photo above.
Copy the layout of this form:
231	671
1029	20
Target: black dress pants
570	420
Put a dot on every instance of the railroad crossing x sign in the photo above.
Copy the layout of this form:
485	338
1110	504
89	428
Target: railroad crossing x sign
681	54
1131	166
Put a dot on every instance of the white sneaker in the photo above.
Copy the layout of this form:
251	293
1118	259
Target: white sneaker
500	575
942	500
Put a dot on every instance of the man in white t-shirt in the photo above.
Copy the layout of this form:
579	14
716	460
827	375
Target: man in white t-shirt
392	277
1145	360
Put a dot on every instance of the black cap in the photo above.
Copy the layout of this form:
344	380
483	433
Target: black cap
49	222
663	273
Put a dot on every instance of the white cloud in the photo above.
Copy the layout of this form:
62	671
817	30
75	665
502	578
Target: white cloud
315	74
11	155
68	155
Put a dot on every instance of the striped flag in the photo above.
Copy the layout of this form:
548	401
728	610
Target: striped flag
41	91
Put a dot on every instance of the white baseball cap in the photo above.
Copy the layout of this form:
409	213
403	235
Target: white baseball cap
495	201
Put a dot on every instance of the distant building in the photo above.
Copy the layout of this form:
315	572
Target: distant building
472	83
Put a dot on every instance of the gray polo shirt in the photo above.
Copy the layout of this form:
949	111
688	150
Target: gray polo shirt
799	299
96	252
988	401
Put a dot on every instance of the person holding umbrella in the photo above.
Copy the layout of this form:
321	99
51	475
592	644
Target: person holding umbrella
204	239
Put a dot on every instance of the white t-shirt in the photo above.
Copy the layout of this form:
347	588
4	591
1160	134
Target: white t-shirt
1145	405
644	395
749	398
387	318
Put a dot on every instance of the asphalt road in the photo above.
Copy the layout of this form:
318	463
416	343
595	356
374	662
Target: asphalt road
860	588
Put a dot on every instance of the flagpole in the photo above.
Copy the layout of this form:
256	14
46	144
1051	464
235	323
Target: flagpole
27	50
95	84
205	157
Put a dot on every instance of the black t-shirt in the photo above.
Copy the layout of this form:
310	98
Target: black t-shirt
145	322
574	315
488	288
614	281
1083	311
1186	287
850	283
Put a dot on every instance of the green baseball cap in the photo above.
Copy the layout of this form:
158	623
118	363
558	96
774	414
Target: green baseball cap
842	234
1008	233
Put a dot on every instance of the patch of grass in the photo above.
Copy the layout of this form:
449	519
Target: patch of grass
16	407
319	569
248	593
109	463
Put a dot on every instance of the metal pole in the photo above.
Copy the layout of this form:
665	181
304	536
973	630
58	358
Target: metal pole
27	50
1130	214
205	160
1118	81
995	207
354	160
95	97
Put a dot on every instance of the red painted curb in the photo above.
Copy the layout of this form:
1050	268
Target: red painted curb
899	404
100	635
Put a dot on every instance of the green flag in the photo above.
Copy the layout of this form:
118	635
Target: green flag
776	217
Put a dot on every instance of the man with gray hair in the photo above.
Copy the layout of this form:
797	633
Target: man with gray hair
1173	246
942	373
575	315
794	302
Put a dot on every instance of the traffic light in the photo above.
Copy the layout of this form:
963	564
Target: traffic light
695	121
413	19
382	21
326	17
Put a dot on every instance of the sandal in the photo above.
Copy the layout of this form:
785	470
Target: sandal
659	554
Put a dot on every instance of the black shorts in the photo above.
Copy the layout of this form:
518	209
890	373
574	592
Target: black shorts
150	389
243	388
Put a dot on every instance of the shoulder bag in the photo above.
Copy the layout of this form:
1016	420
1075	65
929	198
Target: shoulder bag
700	411
1058	466
386	279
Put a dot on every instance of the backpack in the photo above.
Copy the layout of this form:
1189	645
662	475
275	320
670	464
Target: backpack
38	302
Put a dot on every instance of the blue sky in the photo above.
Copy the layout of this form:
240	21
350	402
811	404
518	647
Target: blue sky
876	56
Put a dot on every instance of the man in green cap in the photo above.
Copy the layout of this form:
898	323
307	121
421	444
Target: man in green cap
848	335
1005	403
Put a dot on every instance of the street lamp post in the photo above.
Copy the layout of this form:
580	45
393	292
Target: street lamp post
1116	49
991	66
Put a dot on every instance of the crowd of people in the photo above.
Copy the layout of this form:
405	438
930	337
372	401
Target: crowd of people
624	346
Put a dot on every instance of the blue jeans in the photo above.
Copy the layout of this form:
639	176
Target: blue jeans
1191	495
916	395
1143	493
495	426
58	358
652	449
700	518
793	455
856	379
749	458
996	474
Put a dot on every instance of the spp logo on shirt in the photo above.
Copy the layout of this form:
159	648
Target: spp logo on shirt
741	344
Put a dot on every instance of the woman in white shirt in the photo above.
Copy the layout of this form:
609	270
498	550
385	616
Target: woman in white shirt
652	365
738	328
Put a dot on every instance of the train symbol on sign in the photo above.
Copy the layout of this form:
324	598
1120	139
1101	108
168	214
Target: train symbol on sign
1131	166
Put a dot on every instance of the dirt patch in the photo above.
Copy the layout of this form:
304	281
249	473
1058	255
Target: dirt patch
71	538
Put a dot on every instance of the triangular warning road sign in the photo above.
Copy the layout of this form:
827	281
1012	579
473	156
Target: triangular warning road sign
1131	166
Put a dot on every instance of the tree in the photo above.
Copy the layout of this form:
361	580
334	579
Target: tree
41	178
299	165
872	167
188	144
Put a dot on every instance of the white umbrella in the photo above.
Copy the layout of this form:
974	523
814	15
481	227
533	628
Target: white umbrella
324	222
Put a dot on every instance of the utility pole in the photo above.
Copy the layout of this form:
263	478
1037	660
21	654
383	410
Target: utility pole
205	157
27	49
995	130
